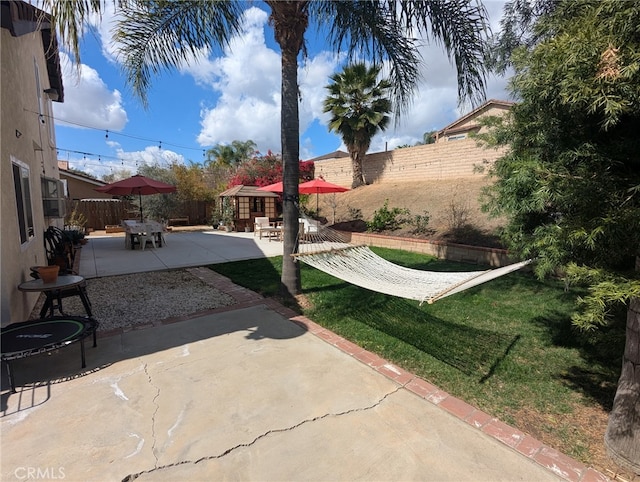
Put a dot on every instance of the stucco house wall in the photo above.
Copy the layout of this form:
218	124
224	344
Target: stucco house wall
80	186
28	141
470	123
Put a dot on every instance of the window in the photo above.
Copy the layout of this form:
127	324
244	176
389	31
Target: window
258	205
243	208
23	200
457	137
53	200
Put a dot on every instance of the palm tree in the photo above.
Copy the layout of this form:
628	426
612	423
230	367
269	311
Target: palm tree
232	154
220	154
160	34
359	105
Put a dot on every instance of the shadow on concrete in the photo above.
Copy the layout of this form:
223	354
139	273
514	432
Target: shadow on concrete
35	375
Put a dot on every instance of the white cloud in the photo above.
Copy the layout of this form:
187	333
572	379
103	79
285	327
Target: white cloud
150	155
122	160
88	100
247	78
313	77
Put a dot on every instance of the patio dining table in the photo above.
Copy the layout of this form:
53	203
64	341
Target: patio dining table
133	228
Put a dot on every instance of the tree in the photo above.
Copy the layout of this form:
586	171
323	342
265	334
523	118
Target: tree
160	34
359	104
428	138
258	171
232	154
570	182
117	175
190	183
158	206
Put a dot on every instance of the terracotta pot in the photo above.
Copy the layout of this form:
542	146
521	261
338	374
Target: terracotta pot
48	274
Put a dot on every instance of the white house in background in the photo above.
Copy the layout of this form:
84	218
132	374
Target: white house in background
468	124
31	192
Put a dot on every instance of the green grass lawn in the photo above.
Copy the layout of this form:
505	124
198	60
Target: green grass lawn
506	347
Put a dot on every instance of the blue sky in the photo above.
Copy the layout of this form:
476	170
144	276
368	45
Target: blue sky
224	96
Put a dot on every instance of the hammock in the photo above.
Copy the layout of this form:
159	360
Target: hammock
326	249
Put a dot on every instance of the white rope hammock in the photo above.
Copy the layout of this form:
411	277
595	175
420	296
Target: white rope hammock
325	249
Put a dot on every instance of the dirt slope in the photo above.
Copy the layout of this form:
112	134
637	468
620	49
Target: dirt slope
448	202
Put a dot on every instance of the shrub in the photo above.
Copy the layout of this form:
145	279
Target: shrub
420	223
385	219
458	214
354	213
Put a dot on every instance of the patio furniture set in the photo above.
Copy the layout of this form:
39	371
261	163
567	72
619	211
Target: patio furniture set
274	229
141	233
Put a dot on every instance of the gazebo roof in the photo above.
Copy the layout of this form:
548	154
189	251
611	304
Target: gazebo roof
246	191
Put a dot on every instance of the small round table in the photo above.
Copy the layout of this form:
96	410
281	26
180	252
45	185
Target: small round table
63	287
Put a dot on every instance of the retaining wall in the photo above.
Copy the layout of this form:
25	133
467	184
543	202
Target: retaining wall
454	252
444	160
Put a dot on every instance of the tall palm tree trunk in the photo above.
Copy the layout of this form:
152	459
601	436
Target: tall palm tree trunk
290	280
290	21
357	158
622	437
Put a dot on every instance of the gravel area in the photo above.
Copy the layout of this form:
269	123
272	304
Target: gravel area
133	299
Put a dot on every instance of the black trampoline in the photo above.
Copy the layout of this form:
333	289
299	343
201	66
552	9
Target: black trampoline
20	340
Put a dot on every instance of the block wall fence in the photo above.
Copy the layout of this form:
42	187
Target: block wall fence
443	160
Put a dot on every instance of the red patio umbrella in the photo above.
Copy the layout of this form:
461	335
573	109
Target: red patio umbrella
319	186
276	187
137	185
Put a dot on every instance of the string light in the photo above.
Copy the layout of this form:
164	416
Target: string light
178	146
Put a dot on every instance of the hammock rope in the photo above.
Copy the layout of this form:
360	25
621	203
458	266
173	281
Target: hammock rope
329	251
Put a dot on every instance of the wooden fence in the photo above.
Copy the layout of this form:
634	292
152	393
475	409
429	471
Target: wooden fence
104	212
100	213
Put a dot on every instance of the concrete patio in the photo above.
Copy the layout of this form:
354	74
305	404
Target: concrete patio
105	255
247	392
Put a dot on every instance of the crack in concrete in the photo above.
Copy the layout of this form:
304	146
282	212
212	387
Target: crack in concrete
132	477
153	417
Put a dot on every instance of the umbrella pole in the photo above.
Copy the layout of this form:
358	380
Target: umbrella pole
140	195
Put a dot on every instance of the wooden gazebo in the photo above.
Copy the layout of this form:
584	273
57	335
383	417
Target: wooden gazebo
249	203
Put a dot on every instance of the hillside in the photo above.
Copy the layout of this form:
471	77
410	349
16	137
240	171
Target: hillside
448	202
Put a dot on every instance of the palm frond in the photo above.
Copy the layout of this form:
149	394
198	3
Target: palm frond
368	30
461	27
161	34
70	18
380	30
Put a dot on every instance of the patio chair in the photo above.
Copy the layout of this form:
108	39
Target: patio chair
308	228
262	225
147	236
164	224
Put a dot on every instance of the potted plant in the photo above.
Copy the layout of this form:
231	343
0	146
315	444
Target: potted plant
76	236
76	221
216	221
